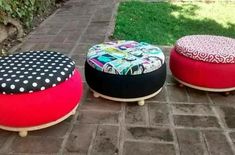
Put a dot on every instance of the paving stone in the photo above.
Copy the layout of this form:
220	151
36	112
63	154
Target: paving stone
86	38
161	97
79	59
177	94
95	28
170	79
166	50
80	138
143	148
62	48
106	141
41	46
103	14
220	99
98	117
135	114
197	96
36	145
190	142
217	143
59	38
40	38
196	121
192	109
58	130
228	114
158	113
232	136
152	134
4	135
82	49
92	103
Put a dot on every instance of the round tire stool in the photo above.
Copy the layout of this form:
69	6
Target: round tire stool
204	62
125	71
38	89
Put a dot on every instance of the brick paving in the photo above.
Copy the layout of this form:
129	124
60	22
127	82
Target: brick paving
178	121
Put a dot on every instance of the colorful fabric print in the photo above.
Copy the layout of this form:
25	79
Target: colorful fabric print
207	48
125	57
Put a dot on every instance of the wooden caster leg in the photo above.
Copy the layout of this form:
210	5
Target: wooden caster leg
23	133
141	102
96	95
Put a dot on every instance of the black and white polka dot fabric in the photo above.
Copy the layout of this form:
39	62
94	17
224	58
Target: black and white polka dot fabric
33	71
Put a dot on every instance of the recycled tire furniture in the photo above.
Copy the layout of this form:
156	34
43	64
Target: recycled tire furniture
125	71
204	62
38	89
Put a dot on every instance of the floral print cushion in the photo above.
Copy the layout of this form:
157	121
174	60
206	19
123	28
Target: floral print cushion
125	57
207	48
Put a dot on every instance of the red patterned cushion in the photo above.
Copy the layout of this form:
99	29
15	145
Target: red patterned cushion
207	48
202	74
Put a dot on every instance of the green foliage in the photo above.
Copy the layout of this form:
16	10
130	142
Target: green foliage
24	10
163	23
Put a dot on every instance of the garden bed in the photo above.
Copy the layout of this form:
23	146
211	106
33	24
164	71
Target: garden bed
17	19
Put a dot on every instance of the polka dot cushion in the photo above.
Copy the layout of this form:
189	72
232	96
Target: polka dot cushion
33	71
207	48
125	57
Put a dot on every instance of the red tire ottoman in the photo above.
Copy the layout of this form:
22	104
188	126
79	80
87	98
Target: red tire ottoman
125	71
37	89
204	62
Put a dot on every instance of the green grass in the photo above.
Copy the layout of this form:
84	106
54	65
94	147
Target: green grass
163	23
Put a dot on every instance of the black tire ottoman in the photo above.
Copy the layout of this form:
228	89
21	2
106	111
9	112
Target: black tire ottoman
125	71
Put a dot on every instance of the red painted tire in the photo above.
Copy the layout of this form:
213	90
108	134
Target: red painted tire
202	74
38	108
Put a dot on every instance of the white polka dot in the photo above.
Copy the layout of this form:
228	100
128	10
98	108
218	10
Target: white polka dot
21	89
30	77
13	75
60	64
25	81
53	85
66	69
42	88
38	78
8	80
2	71
42	73
34	73
51	75
17	80
57	67
10	71
30	91
34	84
62	73
58	79
47	80
12	86
21	76
3	85
4	75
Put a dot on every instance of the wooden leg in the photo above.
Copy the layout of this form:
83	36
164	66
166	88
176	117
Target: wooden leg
141	102
96	95
23	133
